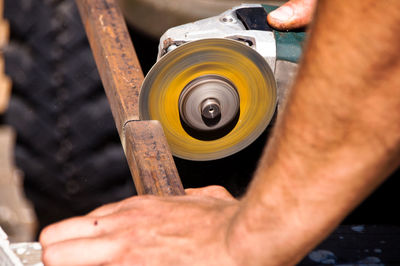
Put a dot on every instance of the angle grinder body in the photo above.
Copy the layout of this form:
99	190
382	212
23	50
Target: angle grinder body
214	85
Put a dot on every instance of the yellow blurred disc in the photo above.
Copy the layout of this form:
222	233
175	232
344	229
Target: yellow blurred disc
241	65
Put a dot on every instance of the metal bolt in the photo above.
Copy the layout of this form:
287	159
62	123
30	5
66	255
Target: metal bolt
210	108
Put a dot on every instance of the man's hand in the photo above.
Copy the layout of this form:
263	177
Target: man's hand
147	230
292	15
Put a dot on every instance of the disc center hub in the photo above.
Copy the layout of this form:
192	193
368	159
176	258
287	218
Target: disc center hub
210	108
209	102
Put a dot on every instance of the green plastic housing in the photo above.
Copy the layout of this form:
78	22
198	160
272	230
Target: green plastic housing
289	44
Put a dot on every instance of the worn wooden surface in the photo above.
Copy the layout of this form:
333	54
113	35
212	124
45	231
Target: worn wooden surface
145	146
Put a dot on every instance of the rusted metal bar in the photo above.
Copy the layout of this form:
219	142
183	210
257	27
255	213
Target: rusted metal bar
145	146
115	57
145	141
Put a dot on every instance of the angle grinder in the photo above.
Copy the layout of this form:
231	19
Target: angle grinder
214	86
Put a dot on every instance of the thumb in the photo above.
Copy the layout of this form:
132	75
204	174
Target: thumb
293	14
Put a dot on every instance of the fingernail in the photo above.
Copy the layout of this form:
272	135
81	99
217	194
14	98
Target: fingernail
283	13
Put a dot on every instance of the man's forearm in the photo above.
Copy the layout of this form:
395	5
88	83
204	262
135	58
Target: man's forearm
339	135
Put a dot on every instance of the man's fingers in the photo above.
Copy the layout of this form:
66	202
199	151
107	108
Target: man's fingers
294	14
81	252
69	229
210	191
88	226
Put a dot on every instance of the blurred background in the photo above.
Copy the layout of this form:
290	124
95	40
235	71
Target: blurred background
58	142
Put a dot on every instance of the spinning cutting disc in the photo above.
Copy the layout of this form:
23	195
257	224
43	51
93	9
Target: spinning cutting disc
213	97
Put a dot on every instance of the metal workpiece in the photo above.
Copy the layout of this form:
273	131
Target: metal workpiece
226	25
115	57
147	153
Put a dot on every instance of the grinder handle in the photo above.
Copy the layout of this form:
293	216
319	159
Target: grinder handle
288	43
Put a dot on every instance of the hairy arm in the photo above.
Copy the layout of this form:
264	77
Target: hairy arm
336	141
339	136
